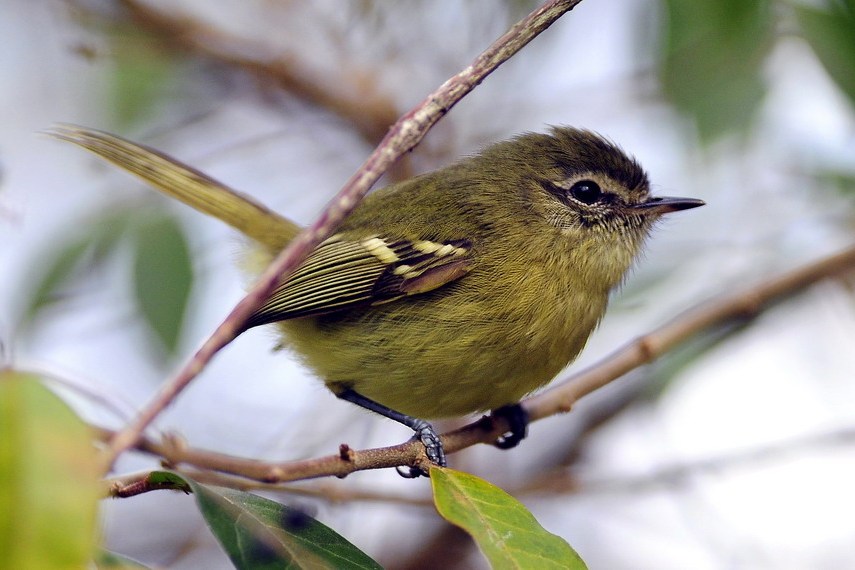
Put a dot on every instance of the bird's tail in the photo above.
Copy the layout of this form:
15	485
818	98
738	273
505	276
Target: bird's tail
186	184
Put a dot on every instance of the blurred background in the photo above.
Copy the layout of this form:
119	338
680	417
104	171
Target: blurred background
735	451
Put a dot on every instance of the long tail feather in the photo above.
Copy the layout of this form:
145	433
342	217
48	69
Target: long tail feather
185	184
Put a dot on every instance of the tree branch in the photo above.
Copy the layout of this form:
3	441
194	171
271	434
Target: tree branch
403	136
743	304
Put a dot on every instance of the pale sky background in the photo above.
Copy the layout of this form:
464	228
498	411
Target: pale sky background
786	377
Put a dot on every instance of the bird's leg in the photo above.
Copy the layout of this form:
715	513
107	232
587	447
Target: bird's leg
424	430
518	419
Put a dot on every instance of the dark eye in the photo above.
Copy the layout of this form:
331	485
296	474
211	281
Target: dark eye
586	191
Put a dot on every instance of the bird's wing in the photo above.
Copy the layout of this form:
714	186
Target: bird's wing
343	273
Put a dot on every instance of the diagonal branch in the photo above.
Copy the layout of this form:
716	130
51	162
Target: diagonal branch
403	136
743	304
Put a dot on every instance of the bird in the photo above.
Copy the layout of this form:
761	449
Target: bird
453	292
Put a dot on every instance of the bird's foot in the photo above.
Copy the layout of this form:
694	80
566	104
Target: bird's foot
434	451
518	419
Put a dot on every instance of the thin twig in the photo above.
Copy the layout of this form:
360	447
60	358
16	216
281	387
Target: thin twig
139	483
556	481
402	137
740	305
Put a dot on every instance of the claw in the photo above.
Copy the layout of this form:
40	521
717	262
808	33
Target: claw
433	445
433	450
410	472
518	419
424	431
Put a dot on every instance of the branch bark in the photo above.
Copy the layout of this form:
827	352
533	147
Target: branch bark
561	398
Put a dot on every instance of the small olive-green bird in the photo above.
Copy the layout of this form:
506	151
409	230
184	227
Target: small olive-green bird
457	291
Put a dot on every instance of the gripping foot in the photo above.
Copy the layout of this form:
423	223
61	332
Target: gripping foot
425	432
518	419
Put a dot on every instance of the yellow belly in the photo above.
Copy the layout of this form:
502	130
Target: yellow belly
448	353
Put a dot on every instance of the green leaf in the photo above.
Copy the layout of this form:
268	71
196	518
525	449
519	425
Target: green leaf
163	277
169	480
831	34
48	469
143	67
106	560
507	533
153	481
259	533
60	271
713	55
841	182
78	256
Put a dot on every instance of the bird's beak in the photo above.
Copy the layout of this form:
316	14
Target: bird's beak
665	204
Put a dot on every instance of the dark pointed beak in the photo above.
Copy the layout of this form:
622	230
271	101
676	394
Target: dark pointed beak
665	204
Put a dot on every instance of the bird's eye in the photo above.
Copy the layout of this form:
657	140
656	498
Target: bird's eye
586	191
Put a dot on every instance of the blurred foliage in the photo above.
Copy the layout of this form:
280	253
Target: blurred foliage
48	469
842	182
505	531
105	560
143	69
713	51
162	270
163	277
73	259
830	31
712	57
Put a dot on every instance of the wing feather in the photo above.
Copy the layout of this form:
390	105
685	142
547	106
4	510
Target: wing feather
345	273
